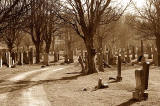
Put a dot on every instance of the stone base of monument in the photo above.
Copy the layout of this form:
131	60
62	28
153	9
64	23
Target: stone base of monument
137	95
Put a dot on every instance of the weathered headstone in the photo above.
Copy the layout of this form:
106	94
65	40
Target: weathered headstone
71	60
142	77
30	55
46	59
149	52
9	59
128	57
25	58
56	57
119	78
133	53
155	58
20	58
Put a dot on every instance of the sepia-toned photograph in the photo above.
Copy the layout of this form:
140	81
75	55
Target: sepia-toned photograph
79	52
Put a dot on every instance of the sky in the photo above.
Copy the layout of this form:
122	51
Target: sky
131	9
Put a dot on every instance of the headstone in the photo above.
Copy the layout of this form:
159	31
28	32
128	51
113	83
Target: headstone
155	57
46	60
20	58
30	55
133	53
149	52
119	78
9	59
142	77
25	58
13	55
128	57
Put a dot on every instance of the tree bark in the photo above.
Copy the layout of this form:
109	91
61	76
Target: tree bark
37	53
91	55
100	56
158	49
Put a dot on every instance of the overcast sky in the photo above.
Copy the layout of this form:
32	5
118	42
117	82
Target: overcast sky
131	9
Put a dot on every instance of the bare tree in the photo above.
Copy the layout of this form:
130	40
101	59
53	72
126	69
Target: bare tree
148	22
85	16
11	10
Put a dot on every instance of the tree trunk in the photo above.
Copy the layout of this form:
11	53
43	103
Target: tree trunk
37	53
158	49
91	55
100	55
47	47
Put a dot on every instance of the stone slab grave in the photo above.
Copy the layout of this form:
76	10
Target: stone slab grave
142	77
118	78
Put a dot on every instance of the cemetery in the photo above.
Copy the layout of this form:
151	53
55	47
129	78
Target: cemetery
79	53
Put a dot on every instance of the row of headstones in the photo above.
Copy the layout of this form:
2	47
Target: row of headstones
141	77
11	59
128	55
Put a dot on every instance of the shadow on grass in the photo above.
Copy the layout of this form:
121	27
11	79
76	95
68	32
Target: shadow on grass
74	73
71	77
128	103
10	86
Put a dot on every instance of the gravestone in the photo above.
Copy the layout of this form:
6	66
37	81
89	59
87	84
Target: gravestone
30	55
65	58
122	55
25	58
71	60
155	58
149	52
128	57
9	59
56	57
119	78
46	59
13	57
4	58
20	58
133	53
142	77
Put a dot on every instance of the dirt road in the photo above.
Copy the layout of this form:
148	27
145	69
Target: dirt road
26	89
